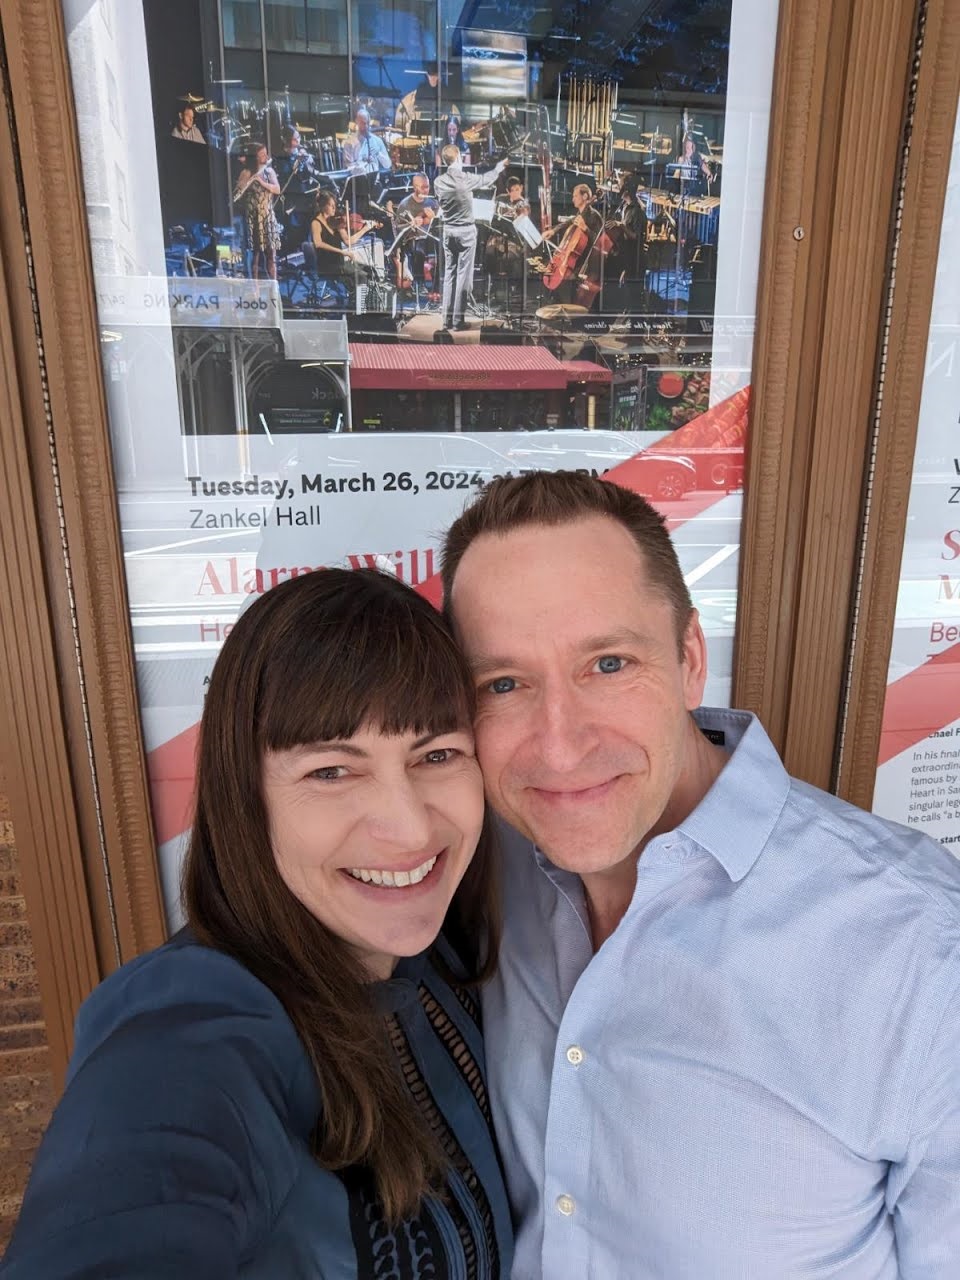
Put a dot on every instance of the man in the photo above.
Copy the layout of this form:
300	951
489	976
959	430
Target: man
519	204
186	129
455	190
723	1038
628	261
584	218
416	212
298	182
419	206
364	152
419	101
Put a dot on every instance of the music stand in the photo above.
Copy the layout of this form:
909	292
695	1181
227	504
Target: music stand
483	209
528	233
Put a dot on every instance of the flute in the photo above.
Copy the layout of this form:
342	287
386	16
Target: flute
253	177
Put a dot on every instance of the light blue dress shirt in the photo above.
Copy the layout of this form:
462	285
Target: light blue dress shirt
757	1076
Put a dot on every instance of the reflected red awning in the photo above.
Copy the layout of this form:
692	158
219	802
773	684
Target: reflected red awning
586	371
409	366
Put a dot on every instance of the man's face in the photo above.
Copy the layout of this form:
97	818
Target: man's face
579	199
582	724
186	118
420	189
362	123
514	191
292	143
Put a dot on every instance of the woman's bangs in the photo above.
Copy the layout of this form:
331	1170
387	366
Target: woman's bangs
386	668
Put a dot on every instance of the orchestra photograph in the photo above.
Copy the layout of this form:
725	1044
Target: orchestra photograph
503	188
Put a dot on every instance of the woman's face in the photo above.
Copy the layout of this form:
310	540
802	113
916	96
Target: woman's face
261	157
327	207
373	834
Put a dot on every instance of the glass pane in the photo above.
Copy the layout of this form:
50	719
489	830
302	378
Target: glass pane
918	773
272	240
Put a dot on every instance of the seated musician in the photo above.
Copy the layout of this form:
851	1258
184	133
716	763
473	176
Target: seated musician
363	151
505	252
453	136
417	210
519	205
333	245
186	129
419	101
694	168
585	219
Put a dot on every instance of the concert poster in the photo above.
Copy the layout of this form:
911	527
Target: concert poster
918	769
354	260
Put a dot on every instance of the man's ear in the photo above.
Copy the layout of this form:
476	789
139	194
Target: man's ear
694	662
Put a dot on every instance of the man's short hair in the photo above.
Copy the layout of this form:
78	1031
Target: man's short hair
450	154
581	189
552	498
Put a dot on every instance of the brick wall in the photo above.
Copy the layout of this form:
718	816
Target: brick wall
26	1088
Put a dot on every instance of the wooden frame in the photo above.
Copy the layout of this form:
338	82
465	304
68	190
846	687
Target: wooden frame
925	187
78	779
819	328
79	796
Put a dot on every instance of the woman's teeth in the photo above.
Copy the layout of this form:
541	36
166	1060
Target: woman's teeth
395	879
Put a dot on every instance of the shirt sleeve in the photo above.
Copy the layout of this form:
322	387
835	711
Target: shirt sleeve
169	1152
924	1189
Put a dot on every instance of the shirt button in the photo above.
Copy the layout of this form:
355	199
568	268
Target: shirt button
566	1205
575	1055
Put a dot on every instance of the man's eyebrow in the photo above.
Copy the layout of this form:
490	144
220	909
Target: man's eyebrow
612	639
484	664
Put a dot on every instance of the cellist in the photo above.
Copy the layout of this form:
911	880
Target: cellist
579	233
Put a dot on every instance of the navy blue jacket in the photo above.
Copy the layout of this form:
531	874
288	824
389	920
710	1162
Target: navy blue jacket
181	1145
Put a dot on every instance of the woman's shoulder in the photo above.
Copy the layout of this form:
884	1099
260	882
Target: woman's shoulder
187	994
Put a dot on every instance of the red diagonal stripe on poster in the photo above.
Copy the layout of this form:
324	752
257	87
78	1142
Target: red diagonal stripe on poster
171	765
920	703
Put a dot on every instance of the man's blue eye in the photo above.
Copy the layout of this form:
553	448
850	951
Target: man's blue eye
609	664
503	684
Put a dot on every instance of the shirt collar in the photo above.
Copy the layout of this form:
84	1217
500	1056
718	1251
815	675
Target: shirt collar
736	817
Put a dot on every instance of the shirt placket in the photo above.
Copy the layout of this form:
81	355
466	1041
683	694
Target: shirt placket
574	1173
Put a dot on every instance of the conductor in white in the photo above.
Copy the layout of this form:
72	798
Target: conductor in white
454	189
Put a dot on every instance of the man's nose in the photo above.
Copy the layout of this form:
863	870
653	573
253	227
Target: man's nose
564	731
398	816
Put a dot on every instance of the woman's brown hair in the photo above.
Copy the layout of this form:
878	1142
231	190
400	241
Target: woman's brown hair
313	660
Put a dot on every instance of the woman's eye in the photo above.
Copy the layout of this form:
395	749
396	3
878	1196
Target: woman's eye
440	755
608	664
502	684
328	773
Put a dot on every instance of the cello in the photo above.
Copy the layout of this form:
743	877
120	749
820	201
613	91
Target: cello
573	245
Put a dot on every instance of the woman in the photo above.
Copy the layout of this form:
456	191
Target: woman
453	136
256	188
693	168
293	1086
333	245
